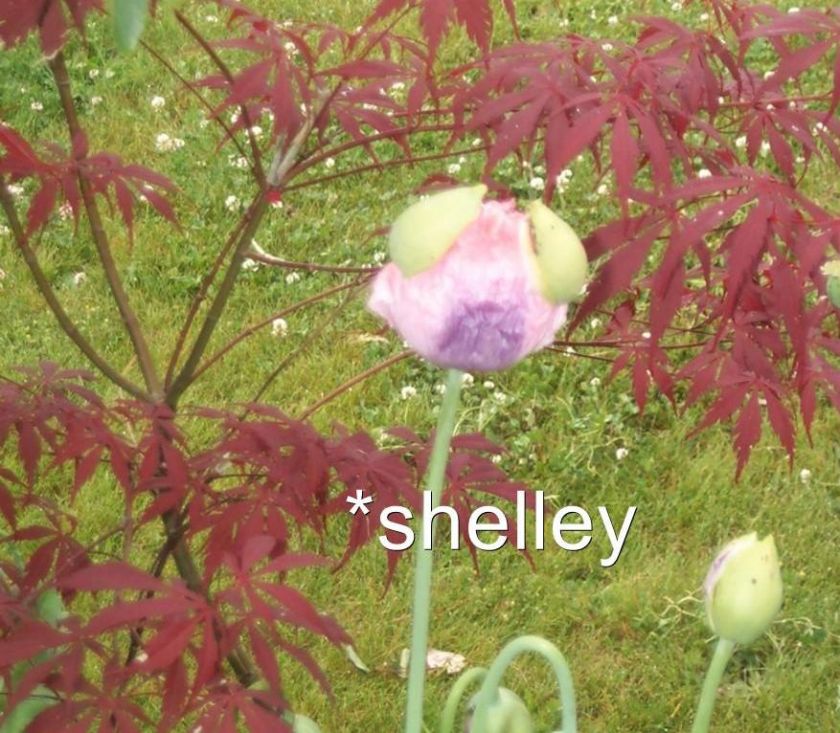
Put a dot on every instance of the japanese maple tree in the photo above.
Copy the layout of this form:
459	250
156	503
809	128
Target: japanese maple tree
710	273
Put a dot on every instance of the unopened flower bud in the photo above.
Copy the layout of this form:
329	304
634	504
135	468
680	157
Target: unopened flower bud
744	589
832	285
507	714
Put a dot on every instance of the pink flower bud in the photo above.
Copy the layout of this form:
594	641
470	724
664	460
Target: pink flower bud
479	294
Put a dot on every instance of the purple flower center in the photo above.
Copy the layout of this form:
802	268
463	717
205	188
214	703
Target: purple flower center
484	336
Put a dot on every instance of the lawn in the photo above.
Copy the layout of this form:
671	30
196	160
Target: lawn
635	633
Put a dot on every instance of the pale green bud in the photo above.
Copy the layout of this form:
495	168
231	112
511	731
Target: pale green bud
506	714
423	233
302	724
561	262
744	589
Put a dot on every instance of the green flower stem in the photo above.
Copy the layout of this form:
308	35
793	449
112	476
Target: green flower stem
456	694
723	652
423	567
525	645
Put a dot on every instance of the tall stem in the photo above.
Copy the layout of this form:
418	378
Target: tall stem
423	566
723	652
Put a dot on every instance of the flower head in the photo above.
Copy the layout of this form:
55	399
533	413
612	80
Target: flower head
744	589
477	285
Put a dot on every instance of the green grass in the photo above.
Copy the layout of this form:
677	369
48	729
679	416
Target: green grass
634	634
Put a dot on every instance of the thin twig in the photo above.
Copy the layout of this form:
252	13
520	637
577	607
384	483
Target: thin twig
361	377
100	238
270	259
259	172
64	321
265	322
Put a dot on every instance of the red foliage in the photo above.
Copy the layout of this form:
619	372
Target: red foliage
710	274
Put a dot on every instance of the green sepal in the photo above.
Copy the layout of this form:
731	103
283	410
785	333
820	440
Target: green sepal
561	262
425	231
506	714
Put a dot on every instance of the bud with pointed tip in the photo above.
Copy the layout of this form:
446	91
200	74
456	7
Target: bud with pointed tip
507	714
559	256
744	589
469	288
831	270
302	724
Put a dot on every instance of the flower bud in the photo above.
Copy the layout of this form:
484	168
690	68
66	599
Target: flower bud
506	714
469	288
302	724
423	233
831	270
560	256
744	589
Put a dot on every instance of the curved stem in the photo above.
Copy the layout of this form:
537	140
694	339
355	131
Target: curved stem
423	565
453	701
722	655
525	645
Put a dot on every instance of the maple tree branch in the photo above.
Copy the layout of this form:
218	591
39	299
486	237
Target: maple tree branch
281	164
258	170
274	261
307	340
382	164
361	377
100	238
47	292
194	91
265	322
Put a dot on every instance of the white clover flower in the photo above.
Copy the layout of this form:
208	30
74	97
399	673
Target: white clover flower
292	277
163	143
595	323
612	20
109	73
645	335
4	231
329	163
211	18
741	141
408	392
398	86
79	278
204	122
232	203
621	454
276	204
15	189
704	17
279	327
607	47
467	379
793	10
804	475
93	73
765	148
820	127
65	211
704	173
378	257
537	183
256	131
157	101
238	161
497	459
500	396
595	382
489	384
95	100
250	265
37	106
454	169
440	388
603	189
476	142
768	75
